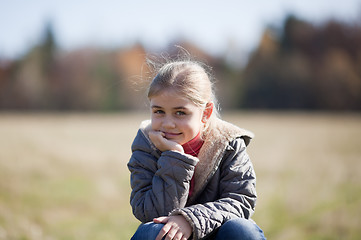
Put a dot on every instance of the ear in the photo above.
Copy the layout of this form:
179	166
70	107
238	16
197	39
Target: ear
207	112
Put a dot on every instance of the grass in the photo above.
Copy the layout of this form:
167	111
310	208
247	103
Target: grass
64	176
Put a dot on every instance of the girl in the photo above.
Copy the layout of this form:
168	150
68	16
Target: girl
190	173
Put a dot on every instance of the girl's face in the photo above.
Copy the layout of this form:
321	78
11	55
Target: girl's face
177	117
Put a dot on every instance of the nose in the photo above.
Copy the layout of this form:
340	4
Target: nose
168	122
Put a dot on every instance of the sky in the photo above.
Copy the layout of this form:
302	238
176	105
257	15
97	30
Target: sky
215	26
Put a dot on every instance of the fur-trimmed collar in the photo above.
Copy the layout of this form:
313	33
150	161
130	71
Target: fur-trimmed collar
215	144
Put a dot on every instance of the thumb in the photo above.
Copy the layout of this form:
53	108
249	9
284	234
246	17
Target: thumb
161	220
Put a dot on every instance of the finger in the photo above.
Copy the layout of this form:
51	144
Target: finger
157	138
161	220
172	232
163	232
179	236
153	136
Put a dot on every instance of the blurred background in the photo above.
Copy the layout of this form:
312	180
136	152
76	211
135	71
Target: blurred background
87	55
73	76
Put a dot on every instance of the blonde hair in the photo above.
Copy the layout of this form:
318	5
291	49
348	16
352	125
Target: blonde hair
188	78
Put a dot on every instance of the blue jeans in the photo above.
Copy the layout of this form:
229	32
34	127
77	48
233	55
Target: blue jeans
235	229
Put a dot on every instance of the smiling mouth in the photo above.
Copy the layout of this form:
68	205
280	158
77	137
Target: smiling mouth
169	135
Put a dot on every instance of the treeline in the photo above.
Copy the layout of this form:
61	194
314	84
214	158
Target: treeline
305	66
297	66
89	78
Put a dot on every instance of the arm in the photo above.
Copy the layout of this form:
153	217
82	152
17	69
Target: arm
237	194
159	185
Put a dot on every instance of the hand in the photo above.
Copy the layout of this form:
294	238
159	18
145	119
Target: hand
163	144
176	228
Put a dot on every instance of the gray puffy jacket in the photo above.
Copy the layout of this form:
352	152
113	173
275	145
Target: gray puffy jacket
224	180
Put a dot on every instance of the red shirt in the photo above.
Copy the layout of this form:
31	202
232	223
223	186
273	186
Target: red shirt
192	148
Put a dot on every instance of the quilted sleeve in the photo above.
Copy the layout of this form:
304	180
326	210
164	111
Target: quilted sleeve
159	185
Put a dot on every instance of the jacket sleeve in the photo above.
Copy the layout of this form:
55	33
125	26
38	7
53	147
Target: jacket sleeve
237	194
159	185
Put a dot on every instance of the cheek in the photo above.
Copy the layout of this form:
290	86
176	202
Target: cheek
154	123
194	126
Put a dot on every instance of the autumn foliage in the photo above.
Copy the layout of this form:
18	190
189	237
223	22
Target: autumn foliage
297	66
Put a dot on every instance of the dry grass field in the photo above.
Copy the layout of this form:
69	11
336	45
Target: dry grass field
64	176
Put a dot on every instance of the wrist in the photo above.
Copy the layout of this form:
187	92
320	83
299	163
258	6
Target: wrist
179	148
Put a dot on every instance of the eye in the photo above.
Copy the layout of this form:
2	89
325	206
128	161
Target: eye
157	111
180	113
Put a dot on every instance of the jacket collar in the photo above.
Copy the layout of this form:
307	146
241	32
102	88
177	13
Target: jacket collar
215	144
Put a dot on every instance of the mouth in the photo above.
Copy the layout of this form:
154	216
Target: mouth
169	135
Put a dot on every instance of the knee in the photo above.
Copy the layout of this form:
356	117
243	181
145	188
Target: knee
147	231
240	229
